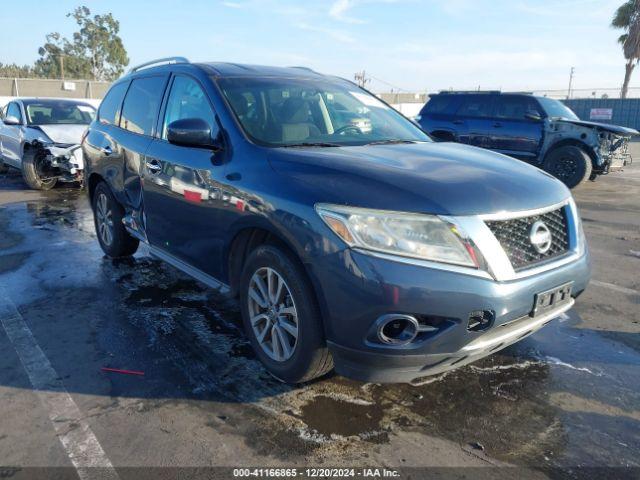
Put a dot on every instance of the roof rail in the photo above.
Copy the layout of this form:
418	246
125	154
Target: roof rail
465	92
166	60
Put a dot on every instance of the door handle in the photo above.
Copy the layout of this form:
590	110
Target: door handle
106	150
457	122
153	166
497	125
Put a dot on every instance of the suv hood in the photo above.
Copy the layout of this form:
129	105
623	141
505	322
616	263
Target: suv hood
603	126
66	134
439	178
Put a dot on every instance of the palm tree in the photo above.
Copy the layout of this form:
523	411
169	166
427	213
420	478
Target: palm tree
627	17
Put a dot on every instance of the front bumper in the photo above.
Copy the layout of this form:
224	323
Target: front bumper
361	288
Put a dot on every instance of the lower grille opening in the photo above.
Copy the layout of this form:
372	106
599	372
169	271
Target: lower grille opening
480	320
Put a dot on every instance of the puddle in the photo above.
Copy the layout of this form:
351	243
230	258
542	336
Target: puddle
13	261
149	296
331	417
496	403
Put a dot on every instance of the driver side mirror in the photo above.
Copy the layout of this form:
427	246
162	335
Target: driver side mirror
11	120
535	116
191	132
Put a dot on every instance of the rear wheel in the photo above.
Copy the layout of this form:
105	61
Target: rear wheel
281	317
570	164
33	174
114	239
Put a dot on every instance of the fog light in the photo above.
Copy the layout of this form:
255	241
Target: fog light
397	329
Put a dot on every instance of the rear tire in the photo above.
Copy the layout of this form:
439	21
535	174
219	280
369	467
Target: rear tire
113	237
570	164
289	314
31	175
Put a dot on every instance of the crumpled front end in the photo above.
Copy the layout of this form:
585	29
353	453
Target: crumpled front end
614	150
608	144
63	161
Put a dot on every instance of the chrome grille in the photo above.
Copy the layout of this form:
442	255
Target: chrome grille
513	235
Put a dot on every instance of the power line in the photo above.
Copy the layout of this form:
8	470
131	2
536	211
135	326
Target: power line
389	84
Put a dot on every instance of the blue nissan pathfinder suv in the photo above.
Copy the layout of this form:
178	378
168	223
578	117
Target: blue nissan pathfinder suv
351	239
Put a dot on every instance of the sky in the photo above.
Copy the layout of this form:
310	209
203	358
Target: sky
406	45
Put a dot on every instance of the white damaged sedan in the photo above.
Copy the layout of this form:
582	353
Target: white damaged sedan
41	137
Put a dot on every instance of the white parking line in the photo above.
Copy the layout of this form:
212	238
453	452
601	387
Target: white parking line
73	431
611	286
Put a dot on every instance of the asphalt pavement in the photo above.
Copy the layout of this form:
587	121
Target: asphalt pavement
190	394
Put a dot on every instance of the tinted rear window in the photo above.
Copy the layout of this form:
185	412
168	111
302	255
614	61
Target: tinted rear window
475	106
141	105
439	104
110	106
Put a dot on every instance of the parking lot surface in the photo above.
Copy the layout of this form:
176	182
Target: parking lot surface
193	395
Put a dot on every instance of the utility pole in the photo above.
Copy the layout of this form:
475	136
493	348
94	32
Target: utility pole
570	82
361	79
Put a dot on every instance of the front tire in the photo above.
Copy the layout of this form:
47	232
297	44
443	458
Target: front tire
113	237
281	317
32	174
570	164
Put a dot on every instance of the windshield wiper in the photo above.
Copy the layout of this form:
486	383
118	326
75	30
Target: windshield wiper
311	144
391	142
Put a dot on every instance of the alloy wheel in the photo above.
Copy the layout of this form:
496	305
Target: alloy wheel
104	219
273	314
566	167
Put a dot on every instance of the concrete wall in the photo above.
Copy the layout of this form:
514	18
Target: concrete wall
403	98
408	109
42	87
92	101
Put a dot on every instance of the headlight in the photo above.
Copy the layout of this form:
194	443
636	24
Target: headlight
426	237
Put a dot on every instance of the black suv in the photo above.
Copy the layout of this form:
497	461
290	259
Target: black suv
538	130
349	236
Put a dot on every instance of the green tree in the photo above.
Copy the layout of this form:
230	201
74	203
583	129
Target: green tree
627	17
16	71
95	52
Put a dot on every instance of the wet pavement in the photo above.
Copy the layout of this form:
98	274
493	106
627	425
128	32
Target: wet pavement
556	404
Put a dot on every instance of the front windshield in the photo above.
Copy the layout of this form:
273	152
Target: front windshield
289	112
556	109
59	113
